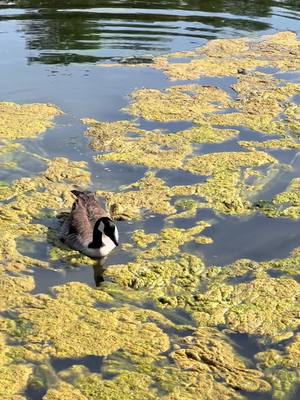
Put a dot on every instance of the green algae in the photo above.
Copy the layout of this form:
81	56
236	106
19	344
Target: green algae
168	276
226	191
209	164
230	57
168	241
13	377
204	367
177	103
208	351
149	147
284	204
281	368
73	328
64	391
149	193
27	198
279	144
13	291
27	120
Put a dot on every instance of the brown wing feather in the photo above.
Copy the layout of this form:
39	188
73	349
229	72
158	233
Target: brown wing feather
93	209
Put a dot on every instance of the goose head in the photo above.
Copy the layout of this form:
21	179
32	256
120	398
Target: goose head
108	228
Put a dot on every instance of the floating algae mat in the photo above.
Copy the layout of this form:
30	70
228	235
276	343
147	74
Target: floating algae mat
163	324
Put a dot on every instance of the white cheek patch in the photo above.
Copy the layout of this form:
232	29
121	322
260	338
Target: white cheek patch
116	234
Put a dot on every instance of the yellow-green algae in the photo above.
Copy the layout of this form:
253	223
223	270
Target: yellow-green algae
13	377
226	191
209	164
284	204
177	103
260	105
169	240
282	368
26	120
266	307
73	328
280	144
149	147
204	367
26	200
229	57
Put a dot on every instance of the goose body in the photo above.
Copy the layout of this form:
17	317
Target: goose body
89	229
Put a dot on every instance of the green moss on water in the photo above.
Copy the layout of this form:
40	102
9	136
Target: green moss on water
284	204
149	148
177	103
230	57
27	198
209	164
27	120
282	368
148	194
13	377
73	328
169	240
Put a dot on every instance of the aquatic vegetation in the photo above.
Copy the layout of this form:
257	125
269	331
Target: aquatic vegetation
280	144
160	323
27	198
74	328
261	101
149	147
149	193
284	204
230	57
169	240
281	368
177	103
209	164
13	377
26	120
208	351
13	291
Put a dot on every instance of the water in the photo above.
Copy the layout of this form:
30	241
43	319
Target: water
49	53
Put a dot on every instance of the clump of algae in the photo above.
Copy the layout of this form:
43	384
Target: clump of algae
284	204
209	164
27	120
13	291
230	57
204	367
149	148
74	328
13	377
27	199
279	144
177	103
168	241
226	191
281	368
149	193
207	351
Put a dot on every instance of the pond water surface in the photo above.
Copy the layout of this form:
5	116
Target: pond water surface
49	52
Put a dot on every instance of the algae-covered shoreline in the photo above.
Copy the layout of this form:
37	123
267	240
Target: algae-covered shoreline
163	323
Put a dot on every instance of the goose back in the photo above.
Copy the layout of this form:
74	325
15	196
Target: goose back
77	230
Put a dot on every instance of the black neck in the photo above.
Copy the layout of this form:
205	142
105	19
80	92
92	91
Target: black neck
97	237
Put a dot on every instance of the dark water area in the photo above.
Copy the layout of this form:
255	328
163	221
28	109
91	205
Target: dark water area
49	54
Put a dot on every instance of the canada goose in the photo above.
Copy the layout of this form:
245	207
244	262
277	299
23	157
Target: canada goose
89	229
